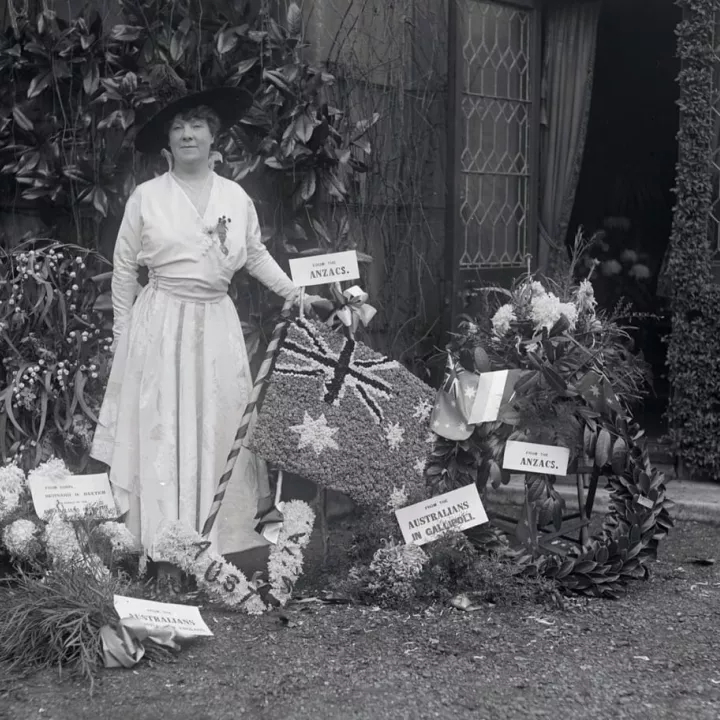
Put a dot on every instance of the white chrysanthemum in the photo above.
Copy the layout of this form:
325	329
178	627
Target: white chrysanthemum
398	496
570	311
286	557
62	543
11	476
395	568
12	486
502	319
585	297
537	289
54	470
546	310
21	539
405	561
121	539
180	545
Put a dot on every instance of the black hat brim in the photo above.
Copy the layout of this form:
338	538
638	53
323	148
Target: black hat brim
229	103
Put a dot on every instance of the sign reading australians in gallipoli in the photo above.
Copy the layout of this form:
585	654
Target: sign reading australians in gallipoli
535	458
325	269
451	512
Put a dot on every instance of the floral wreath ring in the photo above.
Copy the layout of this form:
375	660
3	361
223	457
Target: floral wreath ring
227	584
638	518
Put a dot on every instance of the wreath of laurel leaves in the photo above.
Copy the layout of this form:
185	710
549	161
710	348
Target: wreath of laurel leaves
636	523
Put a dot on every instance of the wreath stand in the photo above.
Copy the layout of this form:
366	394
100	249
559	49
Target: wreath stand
577	521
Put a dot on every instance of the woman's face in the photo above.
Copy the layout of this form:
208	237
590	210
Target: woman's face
190	140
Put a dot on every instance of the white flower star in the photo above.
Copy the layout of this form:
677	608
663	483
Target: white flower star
431	437
423	410
420	467
315	433
394	435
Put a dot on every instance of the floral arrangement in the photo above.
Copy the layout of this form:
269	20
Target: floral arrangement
344	416
392	573
55	352
57	541
578	384
225	583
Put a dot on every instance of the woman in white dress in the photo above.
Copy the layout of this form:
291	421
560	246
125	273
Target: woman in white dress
180	378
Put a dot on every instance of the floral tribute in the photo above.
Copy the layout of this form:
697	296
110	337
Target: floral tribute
56	541
578	383
345	416
225	583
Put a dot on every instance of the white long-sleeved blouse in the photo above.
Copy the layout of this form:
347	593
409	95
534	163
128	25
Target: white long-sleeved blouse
184	251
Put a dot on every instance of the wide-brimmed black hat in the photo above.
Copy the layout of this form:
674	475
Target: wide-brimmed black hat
229	103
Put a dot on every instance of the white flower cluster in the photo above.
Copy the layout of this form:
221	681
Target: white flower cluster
122	541
503	318
286	557
399	497
62	542
394	569
182	546
54	470
585	298
65	551
12	487
546	310
533	302
21	538
178	544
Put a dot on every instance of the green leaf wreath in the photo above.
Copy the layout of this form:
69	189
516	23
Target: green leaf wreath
579	384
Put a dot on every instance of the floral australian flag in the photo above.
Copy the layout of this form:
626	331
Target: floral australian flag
346	417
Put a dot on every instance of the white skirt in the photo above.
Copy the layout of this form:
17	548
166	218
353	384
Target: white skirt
177	390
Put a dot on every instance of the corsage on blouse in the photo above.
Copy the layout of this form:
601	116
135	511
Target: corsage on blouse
219	233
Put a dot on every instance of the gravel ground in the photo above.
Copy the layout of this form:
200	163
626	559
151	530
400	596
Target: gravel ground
654	654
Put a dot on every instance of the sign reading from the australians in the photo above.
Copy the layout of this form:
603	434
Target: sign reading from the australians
73	494
185	619
451	512
535	458
325	269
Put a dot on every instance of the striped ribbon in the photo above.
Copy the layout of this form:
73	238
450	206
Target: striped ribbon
254	402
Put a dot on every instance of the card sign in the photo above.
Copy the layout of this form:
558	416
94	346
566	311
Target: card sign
488	397
453	511
184	619
72	494
325	269
536	458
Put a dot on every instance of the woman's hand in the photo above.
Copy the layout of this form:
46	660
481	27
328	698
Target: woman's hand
308	301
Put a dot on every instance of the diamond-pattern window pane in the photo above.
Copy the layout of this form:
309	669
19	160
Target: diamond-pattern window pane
494	213
495	106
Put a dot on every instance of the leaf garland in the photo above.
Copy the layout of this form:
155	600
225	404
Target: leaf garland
564	401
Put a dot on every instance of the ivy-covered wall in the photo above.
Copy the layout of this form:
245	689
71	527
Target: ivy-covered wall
694	343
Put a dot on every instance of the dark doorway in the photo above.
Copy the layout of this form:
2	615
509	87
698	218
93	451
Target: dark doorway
628	171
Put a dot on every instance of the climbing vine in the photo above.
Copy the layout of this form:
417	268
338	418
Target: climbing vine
694	343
